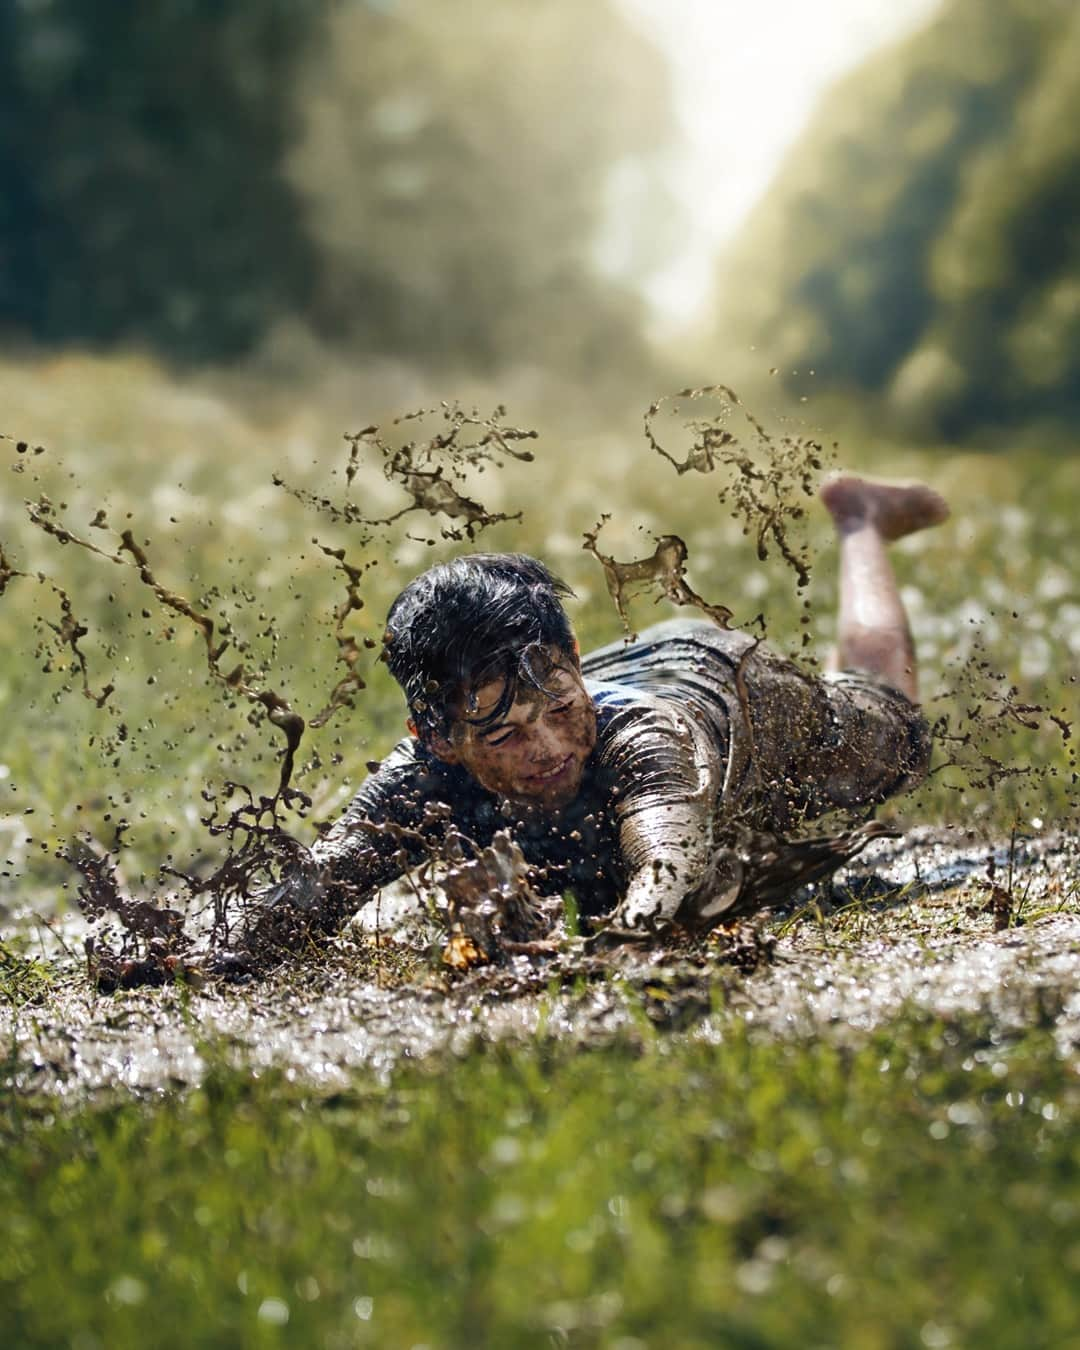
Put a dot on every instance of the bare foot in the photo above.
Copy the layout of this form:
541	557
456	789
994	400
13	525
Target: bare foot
894	509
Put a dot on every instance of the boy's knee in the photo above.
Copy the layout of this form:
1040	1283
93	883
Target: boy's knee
883	741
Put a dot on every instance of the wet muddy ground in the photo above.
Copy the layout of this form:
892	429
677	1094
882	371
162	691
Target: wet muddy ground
926	921
932	923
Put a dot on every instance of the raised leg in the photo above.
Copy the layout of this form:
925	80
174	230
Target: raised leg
873	633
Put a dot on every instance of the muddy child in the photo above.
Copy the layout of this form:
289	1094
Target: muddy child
631	777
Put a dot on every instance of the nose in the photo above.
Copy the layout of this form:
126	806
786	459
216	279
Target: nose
545	750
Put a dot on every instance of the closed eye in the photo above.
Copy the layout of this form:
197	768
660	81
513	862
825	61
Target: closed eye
504	734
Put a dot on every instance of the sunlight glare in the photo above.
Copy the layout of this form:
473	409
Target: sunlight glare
746	79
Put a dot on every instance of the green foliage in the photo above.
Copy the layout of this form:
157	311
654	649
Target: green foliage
455	166
22	978
421	180
920	1189
916	246
917	1186
140	159
993	597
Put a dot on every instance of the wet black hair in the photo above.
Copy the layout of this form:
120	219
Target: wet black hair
460	624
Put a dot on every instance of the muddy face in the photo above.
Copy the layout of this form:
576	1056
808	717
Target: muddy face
536	754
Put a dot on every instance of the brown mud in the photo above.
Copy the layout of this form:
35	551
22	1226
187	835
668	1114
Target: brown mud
151	944
492	961
665	569
766	481
931	924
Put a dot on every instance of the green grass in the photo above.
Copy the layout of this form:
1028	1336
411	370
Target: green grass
921	1190
23	979
994	598
918	1189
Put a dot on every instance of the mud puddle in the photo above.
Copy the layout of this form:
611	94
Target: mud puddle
935	920
916	925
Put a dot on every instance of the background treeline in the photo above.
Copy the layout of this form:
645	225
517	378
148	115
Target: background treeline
446	185
921	245
412	179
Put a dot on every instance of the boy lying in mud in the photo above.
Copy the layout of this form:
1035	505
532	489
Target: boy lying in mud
643	778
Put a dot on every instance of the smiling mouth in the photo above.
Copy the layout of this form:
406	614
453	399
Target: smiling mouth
552	773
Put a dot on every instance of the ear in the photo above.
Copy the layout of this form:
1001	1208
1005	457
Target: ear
443	749
439	746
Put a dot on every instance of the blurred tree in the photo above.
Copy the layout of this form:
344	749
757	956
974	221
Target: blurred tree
456	167
921	242
424	178
140	192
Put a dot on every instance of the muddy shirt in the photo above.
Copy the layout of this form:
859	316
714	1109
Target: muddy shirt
696	726
652	766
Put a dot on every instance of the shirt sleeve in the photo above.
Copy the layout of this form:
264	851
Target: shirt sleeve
391	825
667	773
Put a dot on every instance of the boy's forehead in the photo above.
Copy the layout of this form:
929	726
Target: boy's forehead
484	698
551	669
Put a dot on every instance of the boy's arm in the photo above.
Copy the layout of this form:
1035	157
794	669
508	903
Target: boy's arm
668	775
386	829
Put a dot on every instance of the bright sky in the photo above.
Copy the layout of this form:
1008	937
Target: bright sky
747	76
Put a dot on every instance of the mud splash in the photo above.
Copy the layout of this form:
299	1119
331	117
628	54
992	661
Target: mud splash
982	746
431	471
149	942
489	925
664	569
906	929
769	479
